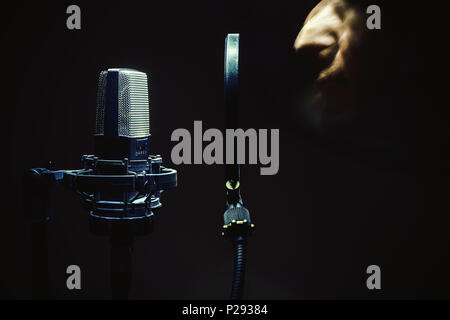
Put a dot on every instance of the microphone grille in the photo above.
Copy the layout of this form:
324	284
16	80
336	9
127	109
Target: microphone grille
100	112
134	116
123	99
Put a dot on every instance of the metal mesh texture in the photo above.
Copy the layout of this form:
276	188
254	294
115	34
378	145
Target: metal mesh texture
133	106
134	116
100	112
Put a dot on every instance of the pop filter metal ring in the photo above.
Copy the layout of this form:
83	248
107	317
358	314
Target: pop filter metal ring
231	101
231	78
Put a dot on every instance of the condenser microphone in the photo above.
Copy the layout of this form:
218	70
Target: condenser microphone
122	180
122	126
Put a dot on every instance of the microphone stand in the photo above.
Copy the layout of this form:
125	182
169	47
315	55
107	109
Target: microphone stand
121	241
120	220
121	267
237	224
40	277
38	185
121	235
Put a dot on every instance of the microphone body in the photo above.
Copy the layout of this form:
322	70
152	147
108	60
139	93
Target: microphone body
122	181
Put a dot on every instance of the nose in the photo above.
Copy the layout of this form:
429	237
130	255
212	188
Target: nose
311	41
315	46
317	41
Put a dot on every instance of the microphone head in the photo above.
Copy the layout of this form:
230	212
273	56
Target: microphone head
122	127
122	104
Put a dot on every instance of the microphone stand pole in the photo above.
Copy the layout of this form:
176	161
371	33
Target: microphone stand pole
40	278
121	234
121	241
38	186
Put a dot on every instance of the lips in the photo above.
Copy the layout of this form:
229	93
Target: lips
331	93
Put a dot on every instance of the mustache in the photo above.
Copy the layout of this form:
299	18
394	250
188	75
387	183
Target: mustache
306	74
335	79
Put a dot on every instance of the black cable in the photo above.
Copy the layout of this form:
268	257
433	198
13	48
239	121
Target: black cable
237	289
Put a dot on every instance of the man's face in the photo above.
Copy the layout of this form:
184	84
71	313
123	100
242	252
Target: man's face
329	42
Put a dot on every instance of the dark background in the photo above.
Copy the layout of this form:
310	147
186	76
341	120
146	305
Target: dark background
333	209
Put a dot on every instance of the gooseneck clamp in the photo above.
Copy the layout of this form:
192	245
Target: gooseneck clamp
120	196
237	225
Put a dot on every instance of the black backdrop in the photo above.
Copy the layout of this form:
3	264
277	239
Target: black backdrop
329	213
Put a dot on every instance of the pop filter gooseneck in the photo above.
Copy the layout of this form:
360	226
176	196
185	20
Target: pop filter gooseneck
237	224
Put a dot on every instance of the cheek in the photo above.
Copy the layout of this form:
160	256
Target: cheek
345	54
336	67
341	64
350	43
